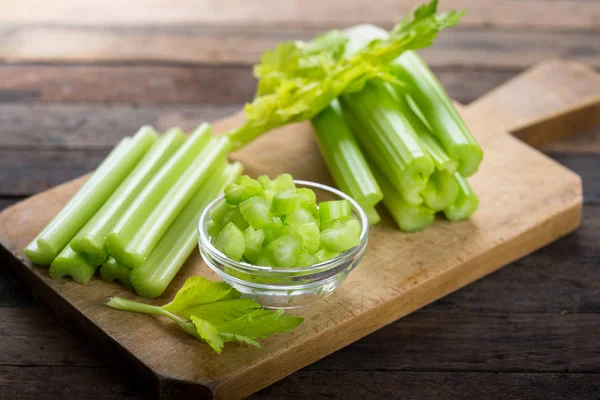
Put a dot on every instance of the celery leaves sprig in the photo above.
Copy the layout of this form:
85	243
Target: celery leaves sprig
215	313
299	79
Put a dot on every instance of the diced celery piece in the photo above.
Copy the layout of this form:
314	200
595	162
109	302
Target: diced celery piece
231	241
341	238
308	200
256	211
214	228
284	202
332	210
306	259
466	202
324	255
73	264
283	182
299	217
274	230
284	249
264	259
242	189
265	182
234	215
218	212
311	236
372	215
254	240
441	190
112	271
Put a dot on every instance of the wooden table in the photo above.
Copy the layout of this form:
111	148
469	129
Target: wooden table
74	78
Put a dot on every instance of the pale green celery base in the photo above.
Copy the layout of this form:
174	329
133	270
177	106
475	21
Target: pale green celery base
441	191
469	158
73	264
95	253
112	271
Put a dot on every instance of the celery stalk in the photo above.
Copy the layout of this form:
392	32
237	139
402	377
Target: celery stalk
466	202
343	157
130	222
408	217
436	106
385	131
166	259
372	215
90	239
82	206
112	271
441	190
71	263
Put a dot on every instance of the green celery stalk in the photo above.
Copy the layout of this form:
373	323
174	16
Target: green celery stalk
385	130
441	190
130	222
343	157
134	253
112	271
466	202
372	215
90	239
71	263
82	206
166	259
436	106
408	217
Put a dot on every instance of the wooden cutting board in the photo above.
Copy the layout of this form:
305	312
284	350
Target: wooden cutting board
527	201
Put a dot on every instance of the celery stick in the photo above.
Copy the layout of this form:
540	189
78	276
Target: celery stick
466	202
90	239
408	217
384	130
112	271
130	222
73	264
372	215
82	206
166	259
436	106
441	190
343	157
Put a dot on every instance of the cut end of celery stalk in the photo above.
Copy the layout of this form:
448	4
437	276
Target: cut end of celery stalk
73	264
469	158
372	215
96	253
39	255
112	271
441	191
119	253
466	202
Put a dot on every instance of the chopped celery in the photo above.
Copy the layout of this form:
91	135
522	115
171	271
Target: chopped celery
284	202
343	157
231	241
219	211
130	222
283	182
73	264
90	239
274	230
256	211
385	130
372	215
284	249
166	259
334	210
299	217
305	259
242	189
236	217
408	217
341	237
324	255
82	206
310	234
264	258
441	191
436	106
466	202
157	222
112	271
254	240
308	201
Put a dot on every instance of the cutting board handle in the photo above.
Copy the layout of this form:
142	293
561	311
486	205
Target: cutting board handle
549	101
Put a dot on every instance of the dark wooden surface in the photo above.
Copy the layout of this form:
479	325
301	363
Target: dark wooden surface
71	85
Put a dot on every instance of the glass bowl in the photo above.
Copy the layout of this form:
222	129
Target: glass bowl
286	287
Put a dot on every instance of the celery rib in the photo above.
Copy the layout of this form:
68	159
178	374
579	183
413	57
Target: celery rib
90	239
130	222
73	264
441	190
436	106
343	157
466	202
112	271
152	278
82	206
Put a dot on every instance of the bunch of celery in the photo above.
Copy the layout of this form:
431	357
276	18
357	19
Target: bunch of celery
385	126
135	218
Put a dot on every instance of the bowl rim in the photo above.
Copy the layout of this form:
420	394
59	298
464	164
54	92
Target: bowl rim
243	266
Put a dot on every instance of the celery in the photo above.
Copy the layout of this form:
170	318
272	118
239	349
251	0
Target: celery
284	249
299	217
231	241
285	202
408	217
334	210
242	189
341	236
55	236
254	240
385	130
372	215
343	157
112	271
256	211
143	218
466	202
90	239
166	259
73	264
441	190
436	106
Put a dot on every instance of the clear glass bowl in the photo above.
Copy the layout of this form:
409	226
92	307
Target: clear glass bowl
286	287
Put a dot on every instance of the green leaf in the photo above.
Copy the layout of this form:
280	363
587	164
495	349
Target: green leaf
208	333
197	291
230	337
220	311
260	324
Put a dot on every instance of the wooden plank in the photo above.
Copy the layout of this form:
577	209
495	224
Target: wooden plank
587	141
222	85
531	14
514	49
8	201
